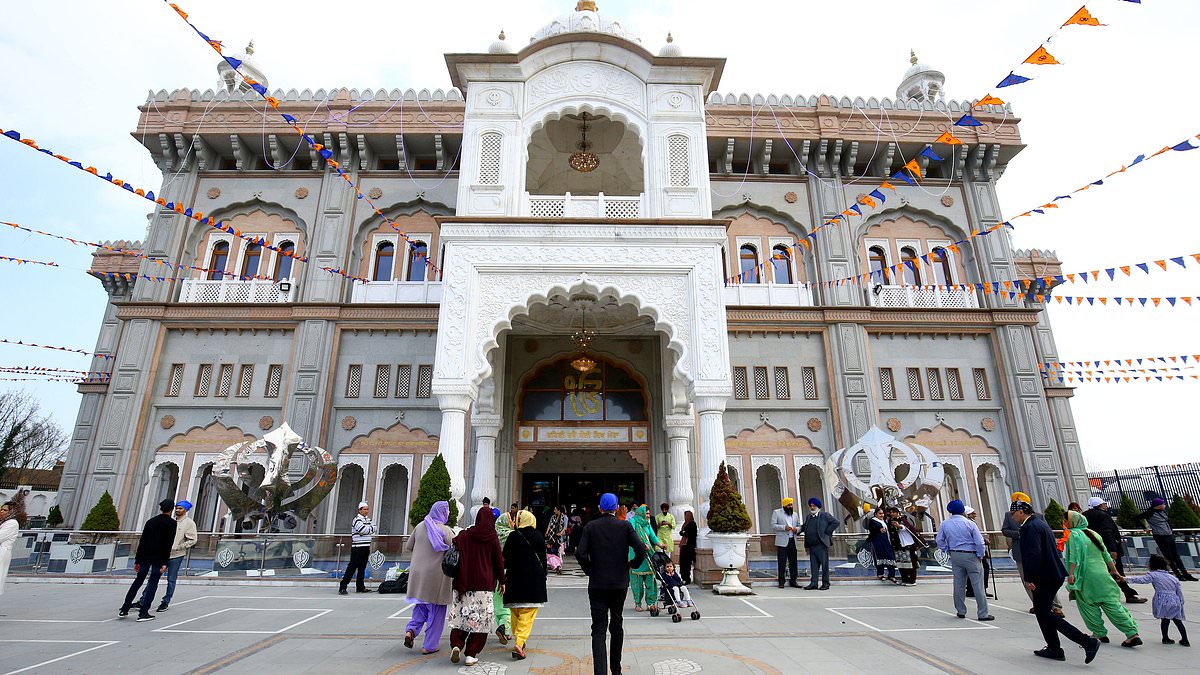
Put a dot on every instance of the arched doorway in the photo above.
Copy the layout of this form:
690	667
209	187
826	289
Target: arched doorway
206	501
393	500
350	484
992	496
164	483
768	488
812	485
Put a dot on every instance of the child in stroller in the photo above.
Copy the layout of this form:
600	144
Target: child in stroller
672	592
674	585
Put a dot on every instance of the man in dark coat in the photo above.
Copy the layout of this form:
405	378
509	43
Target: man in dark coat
1101	522
1044	573
818	529
603	554
153	554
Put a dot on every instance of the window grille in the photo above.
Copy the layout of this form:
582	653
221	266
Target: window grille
761	388
934	378
354	381
274	380
981	385
383	377
741	388
809	375
783	388
224	379
203	380
245	379
914	384
954	384
490	146
424	381
175	381
887	384
677	161
403	381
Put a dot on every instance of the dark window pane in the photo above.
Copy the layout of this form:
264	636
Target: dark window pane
542	405
616	378
625	406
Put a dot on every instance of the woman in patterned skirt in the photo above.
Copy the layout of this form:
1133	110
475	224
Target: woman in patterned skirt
480	570
881	546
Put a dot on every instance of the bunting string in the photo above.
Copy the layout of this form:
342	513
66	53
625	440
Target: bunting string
23	343
1113	379
1138	360
51	371
25	261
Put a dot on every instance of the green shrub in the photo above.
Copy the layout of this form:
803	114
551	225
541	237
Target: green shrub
434	487
1181	515
726	512
103	516
1127	514
55	517
1054	515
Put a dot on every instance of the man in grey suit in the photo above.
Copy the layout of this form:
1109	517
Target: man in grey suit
786	526
818	530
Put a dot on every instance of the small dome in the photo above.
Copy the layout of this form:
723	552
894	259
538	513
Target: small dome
670	49
250	68
921	82
500	46
585	19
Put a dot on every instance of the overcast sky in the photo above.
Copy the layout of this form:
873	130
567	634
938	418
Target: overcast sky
75	72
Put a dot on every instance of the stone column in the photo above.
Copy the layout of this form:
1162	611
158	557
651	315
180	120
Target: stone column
679	480
487	428
452	442
711	410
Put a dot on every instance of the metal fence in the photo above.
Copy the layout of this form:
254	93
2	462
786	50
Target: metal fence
1145	483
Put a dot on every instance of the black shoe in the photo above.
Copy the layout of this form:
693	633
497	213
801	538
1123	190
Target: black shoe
1104	639
962	616
1089	650
145	617
1184	643
123	612
1168	641
989	617
1132	642
1052	654
1188	577
362	590
795	585
1136	600
810	588
824	588
781	584
162	608
342	591
970	595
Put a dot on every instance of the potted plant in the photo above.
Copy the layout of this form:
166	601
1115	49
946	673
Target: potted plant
729	526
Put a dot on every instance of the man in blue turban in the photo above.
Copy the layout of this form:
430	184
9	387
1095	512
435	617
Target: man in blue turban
963	541
818	529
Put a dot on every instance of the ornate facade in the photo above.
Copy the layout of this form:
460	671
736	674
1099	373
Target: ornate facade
579	198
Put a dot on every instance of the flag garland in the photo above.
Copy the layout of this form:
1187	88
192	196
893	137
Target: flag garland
325	153
22	343
1096	363
45	370
25	261
759	270
1114	379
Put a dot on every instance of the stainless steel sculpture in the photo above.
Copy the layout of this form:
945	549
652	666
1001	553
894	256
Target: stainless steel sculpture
884	455
275	504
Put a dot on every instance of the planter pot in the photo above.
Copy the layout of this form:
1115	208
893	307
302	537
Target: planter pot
729	552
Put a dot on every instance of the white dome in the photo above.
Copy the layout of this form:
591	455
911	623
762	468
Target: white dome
585	19
670	48
249	67
500	46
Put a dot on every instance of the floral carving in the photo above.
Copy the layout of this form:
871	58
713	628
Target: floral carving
213	193
814	424
893	424
348	422
301	192
790	198
167	421
988	424
947	200
266	422
375	193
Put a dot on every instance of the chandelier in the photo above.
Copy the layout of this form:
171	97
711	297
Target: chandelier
584	161
582	339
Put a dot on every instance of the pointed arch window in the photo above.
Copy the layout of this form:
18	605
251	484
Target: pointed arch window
748	264
385	256
284	259
250	260
781	264
910	273
218	261
942	272
879	265
418	254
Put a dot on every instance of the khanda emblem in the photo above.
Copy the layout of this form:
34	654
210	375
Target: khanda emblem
583	393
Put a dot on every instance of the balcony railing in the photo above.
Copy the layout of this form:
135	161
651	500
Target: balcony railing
255	291
769	295
402	292
923	297
569	206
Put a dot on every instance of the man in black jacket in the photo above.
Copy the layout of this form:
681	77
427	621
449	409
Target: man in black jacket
1101	522
603	553
1044	573
153	553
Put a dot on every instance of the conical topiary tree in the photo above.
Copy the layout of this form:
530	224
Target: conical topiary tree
1054	515
103	516
55	517
1181	515
1127	514
726	512
434	487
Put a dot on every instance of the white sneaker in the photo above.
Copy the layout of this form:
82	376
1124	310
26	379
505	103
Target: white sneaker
470	660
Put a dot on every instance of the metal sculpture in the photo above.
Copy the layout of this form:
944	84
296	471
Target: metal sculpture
915	490
276	504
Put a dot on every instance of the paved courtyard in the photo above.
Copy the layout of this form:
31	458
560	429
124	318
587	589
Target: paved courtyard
68	627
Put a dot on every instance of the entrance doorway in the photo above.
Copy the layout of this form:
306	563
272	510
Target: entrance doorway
542	491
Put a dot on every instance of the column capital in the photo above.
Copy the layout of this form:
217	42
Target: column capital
455	401
486	425
679	426
710	404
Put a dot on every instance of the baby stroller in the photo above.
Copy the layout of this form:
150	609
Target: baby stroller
658	562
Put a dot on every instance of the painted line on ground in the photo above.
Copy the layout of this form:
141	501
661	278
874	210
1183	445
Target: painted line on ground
756	608
100	644
396	615
320	613
627	618
980	626
813	596
58	620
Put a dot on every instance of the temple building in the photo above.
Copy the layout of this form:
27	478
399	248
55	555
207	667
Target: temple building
589	278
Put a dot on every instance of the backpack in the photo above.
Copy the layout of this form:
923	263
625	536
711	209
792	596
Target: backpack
396	585
450	561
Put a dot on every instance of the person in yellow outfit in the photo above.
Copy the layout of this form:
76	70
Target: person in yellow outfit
666	528
525	578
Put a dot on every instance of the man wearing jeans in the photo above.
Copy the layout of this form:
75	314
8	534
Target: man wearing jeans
185	538
603	553
153	552
962	540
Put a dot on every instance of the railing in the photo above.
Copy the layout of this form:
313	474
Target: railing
769	295
568	206
255	291
923	297
410	292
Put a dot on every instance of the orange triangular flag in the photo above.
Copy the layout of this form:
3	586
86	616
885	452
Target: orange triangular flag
947	137
1156	301
988	100
1125	269
914	167
887	186
1041	57
1083	18
1103	301
1162	264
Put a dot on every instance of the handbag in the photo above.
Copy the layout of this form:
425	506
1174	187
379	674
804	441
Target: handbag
450	561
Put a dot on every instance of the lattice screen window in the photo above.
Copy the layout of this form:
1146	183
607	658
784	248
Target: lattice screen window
954	384
809	375
762	388
490	147
354	381
424	381
245	380
203	380
547	208
622	208
175	381
914	384
274	380
224	379
741	386
934	378
981	385
678	163
383	378
403	381
783	388
887	384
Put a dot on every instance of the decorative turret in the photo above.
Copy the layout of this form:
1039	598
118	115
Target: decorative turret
500	46
670	48
921	82
585	19
229	79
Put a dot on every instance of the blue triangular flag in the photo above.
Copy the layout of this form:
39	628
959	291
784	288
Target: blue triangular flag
1172	301
967	121
1179	261
1137	160
928	152
1143	301
878	195
1118	300
1091	301
902	176
857	209
1099	182
259	88
15	135
1111	272
1144	267
1012	79
1062	197
1184	146
289	119
233	63
1039	211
